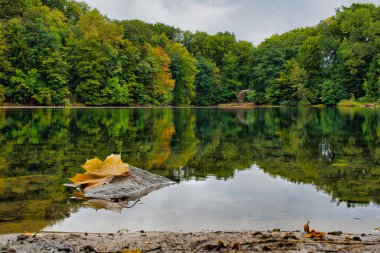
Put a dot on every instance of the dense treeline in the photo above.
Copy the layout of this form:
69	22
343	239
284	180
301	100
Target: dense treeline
58	52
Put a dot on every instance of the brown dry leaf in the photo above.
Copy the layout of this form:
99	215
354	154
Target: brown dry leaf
236	246
113	165
90	181
86	178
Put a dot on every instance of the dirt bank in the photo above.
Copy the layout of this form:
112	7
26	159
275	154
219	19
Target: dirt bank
247	241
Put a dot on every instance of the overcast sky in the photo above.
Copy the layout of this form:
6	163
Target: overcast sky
252	20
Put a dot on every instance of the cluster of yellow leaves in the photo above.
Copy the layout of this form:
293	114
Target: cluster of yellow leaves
100	172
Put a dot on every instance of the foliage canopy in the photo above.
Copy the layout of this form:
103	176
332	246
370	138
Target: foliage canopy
57	52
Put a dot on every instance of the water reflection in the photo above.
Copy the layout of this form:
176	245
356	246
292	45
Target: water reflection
251	200
334	150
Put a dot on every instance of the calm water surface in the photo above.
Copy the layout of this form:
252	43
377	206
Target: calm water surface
234	169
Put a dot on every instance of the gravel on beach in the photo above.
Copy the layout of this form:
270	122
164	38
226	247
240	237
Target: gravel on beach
216	241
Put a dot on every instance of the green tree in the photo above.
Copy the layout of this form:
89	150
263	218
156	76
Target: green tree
11	8
137	31
230	77
290	87
183	69
116	91
35	42
243	51
270	57
5	65
207	83
332	93
173	33
353	66
357	49
99	59
92	64
210	46
73	10
93	25
311	59
24	85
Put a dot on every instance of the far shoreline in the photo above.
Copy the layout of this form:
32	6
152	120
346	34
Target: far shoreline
219	106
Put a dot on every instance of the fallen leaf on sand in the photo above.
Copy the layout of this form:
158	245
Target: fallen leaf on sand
315	234
132	251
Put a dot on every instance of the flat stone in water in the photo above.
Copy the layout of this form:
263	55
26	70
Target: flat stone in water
129	188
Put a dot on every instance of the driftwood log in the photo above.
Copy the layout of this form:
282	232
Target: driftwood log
133	187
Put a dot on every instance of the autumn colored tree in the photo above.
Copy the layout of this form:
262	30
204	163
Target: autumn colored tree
154	83
163	83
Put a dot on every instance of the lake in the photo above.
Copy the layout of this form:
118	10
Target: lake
235	169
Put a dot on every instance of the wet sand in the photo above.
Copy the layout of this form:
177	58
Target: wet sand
245	241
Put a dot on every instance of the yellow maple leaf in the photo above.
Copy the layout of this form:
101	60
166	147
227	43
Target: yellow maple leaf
99	172
112	166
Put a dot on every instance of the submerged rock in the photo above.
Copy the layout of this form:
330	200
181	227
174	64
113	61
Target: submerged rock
133	187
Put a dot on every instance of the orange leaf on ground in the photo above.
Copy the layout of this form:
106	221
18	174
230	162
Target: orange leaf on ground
315	234
132	251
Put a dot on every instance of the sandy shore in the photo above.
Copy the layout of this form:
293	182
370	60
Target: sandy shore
246	241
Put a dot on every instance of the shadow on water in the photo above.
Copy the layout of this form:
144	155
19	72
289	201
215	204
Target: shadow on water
335	150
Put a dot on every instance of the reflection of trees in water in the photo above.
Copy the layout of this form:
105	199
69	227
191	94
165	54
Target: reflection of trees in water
30	203
335	150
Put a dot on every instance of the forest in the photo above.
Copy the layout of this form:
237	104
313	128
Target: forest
62	52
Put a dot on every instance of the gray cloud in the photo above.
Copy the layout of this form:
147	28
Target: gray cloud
252	20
